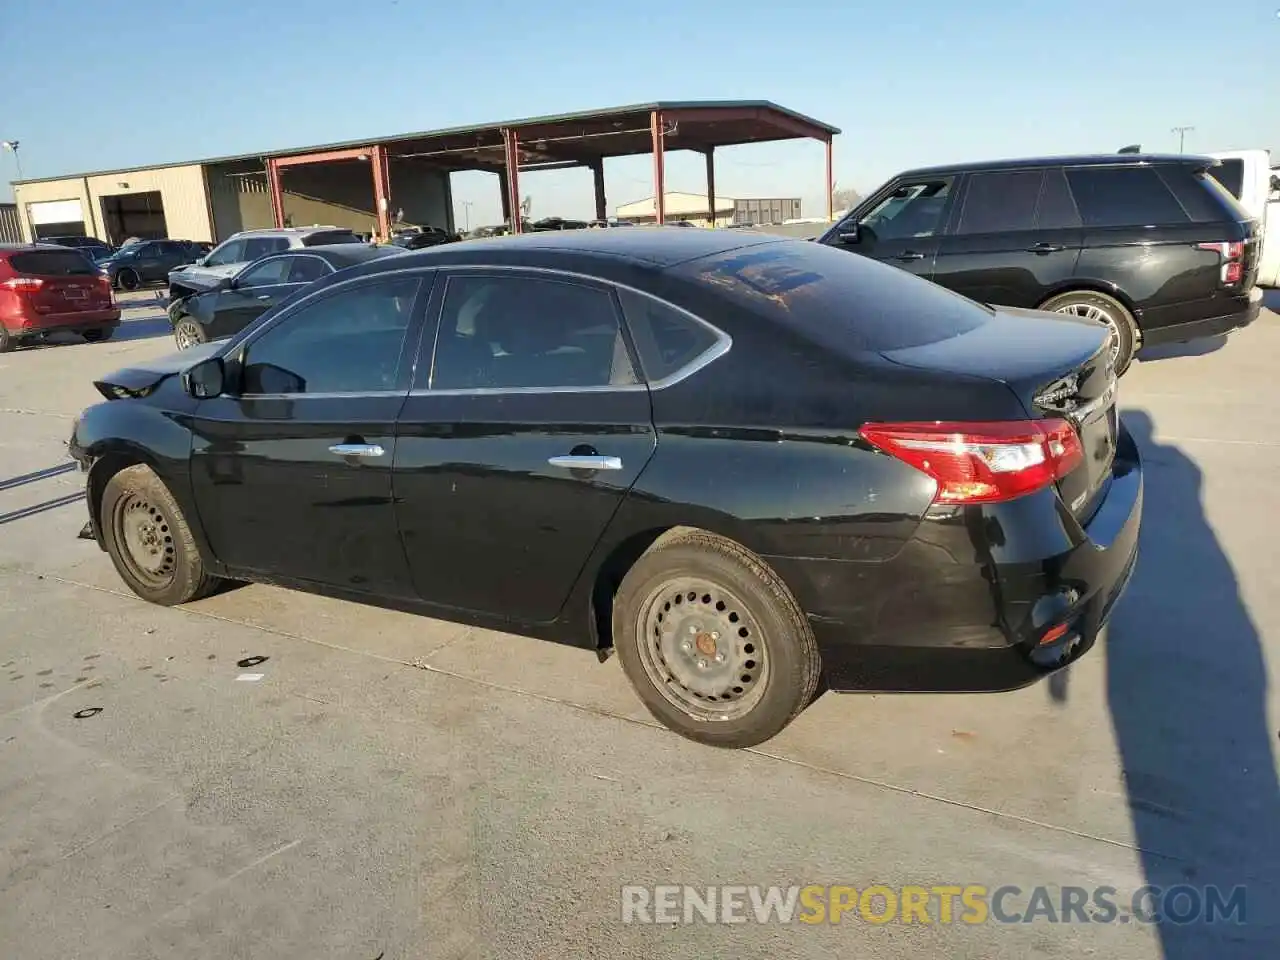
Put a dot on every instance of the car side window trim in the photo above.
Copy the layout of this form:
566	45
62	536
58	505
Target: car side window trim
235	353
723	342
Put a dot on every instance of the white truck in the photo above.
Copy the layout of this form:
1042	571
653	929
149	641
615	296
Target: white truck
1249	175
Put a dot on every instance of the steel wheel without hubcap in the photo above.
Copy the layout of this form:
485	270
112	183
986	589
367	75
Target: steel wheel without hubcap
187	334
702	650
142	530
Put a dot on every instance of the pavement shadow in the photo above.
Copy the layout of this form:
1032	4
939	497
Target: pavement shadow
1191	348
144	328
1187	691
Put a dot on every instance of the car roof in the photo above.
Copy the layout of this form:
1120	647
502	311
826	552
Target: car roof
1084	160
287	231
649	246
342	254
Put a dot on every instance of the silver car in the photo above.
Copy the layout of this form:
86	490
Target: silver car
233	254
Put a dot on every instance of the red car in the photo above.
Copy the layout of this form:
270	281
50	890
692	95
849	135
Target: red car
45	288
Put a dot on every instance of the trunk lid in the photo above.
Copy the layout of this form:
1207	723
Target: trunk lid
1057	366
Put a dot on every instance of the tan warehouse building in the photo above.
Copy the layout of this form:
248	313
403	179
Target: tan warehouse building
211	200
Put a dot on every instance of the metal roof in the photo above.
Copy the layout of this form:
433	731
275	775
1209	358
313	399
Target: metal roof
610	113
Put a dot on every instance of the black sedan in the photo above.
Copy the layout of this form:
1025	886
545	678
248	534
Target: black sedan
743	462
238	301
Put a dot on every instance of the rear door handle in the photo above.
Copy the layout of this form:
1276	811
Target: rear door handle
357	450
909	255
1046	248
583	462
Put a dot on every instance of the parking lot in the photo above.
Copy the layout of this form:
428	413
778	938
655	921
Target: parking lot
272	774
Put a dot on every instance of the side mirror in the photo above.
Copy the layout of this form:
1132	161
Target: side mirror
850	233
206	379
226	283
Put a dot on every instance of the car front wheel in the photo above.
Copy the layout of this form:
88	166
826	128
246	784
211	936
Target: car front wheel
128	279
149	540
187	333
713	641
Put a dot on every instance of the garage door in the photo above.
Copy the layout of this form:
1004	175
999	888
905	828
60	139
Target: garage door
56	211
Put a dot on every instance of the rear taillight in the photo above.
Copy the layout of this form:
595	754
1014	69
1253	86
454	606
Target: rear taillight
1232	255
982	462
23	284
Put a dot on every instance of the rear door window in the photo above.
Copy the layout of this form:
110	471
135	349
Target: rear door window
1057	210
667	340
1002	201
850	303
230	252
52	263
1128	196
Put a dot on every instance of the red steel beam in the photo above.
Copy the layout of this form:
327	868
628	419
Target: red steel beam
381	191
658	133
711	186
326	157
793	126
511	141
276	191
831	209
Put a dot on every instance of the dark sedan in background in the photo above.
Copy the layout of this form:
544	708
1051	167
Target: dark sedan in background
743	462
147	261
238	301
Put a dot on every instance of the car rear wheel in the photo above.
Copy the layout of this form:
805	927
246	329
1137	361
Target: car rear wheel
187	333
1103	309
99	334
149	540
7	341
127	279
713	641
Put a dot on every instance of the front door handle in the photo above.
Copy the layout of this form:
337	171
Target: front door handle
357	450
584	462
265	296
909	255
1046	248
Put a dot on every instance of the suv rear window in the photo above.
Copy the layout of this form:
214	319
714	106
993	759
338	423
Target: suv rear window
52	263
1128	196
329	236
1230	173
828	296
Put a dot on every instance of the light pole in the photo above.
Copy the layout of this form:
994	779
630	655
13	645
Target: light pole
1182	135
466	215
11	146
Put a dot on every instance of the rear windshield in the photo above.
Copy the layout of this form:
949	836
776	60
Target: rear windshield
831	296
52	263
329	236
1230	173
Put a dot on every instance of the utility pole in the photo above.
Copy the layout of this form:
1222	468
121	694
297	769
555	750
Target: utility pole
466	215
1182	136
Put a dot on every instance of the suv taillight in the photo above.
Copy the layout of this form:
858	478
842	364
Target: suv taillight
23	284
988	462
1232	255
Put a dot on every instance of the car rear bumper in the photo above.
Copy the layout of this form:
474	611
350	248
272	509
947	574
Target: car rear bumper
1248	308
36	324
946	615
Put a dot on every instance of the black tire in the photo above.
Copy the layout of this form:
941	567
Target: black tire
138	494
98	334
780	638
1115	313
7	340
128	279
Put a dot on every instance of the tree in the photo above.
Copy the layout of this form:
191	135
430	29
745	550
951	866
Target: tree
844	198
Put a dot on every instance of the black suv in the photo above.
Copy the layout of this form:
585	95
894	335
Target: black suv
1151	245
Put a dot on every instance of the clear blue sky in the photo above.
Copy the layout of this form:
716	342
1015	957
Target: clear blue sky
87	85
